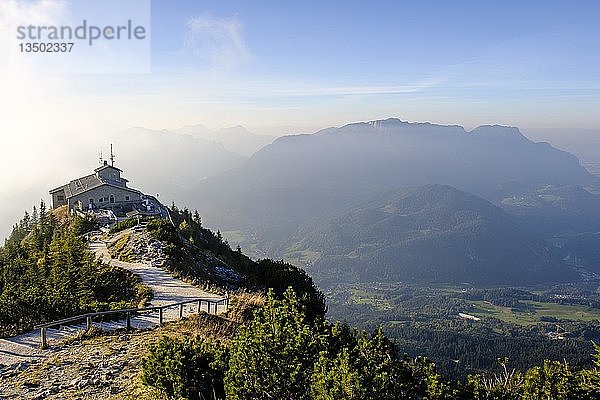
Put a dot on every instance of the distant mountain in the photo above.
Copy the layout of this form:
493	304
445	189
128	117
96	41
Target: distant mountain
433	233
582	249
164	162
555	210
304	176
584	143
237	139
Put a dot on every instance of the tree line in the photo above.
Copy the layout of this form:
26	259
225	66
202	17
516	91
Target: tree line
48	273
283	353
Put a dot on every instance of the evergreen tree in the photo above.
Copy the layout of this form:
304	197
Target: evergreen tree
274	355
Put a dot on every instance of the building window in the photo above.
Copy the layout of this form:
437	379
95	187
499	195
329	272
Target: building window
60	197
100	200
91	201
112	199
126	198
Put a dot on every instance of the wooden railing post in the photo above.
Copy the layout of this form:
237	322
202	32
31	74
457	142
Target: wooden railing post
100	315
128	325
44	341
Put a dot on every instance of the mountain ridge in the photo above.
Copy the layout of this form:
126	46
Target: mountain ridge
305	176
433	233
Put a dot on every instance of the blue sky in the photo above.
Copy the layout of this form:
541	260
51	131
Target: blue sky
481	60
288	66
387	40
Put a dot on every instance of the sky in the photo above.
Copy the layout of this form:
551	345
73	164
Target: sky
313	64
281	67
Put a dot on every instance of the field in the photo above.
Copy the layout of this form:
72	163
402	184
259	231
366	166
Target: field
247	243
518	323
535	311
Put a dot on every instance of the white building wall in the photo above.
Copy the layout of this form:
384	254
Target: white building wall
104	192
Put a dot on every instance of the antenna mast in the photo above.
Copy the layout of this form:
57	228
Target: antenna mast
112	156
101	160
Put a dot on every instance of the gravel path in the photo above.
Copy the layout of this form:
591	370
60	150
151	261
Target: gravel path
166	288
19	351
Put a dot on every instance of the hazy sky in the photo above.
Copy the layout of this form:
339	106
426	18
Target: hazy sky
287	66
310	64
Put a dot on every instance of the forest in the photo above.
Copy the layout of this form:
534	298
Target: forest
283	353
525	325
48	273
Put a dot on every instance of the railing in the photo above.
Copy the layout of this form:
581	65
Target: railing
89	235
128	312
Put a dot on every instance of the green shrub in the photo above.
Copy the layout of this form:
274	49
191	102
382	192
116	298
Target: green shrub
163	230
122	225
186	238
190	368
274	354
279	276
83	225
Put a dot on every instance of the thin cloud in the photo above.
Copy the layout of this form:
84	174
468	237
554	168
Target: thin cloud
357	90
39	12
237	92
14	13
217	41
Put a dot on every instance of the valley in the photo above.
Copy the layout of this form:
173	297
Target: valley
507	237
466	330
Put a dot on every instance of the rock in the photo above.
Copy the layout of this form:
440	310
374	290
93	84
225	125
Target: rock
42	394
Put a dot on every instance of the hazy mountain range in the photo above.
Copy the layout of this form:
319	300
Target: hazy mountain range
293	186
168	162
303	176
236	139
433	233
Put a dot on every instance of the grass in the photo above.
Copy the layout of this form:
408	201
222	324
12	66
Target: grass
248	244
302	257
394	297
363	297
119	249
485	309
243	305
234	237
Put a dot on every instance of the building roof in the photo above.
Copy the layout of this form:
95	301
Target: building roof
80	185
106	166
89	182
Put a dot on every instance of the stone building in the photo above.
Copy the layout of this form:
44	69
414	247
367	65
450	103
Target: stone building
105	189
